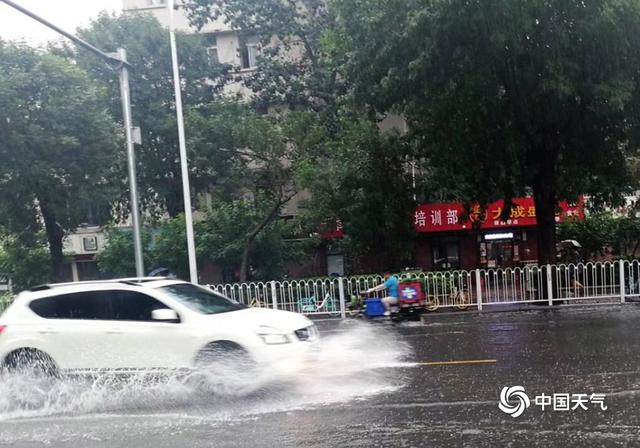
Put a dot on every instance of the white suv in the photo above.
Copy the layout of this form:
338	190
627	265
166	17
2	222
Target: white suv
130	325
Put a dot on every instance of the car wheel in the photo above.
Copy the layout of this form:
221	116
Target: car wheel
225	353
224	368
31	361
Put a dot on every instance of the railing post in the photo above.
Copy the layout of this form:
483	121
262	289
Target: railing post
274	294
622	285
549	285
479	289
343	310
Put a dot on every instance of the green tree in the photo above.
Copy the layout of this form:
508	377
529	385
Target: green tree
58	146
219	239
294	70
603	230
359	176
26	265
298	69
594	233
153	104
117	258
627	236
509	96
260	158
269	250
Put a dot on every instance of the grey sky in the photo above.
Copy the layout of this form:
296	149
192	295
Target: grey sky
67	14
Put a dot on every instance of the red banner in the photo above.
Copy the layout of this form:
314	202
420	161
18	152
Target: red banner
448	217
334	232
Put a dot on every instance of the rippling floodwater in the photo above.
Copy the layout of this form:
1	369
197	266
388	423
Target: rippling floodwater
353	363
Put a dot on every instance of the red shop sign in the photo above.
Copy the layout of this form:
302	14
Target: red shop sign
335	232
448	216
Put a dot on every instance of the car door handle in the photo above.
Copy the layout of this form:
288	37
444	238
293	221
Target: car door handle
114	331
48	331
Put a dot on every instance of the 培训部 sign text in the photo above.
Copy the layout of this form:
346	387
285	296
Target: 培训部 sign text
451	216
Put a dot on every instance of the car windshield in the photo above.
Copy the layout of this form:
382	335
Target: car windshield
201	299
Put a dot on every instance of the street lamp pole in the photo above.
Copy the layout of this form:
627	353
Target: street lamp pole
186	190
125	95
117	62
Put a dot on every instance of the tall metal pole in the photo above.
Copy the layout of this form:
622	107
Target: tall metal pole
186	191
131	162
118	62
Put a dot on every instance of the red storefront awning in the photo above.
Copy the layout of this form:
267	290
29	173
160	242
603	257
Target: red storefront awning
448	216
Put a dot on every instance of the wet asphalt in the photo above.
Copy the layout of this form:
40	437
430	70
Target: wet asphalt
546	351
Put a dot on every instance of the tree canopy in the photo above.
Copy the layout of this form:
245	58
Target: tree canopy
152	99
351	172
293	67
509	97
58	146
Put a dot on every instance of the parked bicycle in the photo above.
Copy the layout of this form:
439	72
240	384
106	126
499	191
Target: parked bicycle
456	297
459	298
432	303
311	305
257	302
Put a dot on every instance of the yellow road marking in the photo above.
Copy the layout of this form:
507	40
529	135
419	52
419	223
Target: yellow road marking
448	363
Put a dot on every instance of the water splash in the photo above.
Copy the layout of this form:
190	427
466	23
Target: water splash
357	360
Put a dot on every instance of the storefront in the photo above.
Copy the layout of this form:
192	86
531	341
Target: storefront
451	237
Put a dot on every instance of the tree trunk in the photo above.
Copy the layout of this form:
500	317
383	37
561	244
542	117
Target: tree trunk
174	200
244	265
635	249
251	236
544	196
55	234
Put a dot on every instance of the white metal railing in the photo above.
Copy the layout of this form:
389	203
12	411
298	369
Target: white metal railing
616	281
5	293
591	282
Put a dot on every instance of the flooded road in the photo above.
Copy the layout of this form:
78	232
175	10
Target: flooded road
375	384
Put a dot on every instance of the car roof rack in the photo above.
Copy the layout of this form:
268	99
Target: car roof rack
141	279
40	288
134	281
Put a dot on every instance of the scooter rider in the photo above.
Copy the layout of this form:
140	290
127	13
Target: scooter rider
391	283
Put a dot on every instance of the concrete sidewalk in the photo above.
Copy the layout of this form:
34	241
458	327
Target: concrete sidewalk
473	312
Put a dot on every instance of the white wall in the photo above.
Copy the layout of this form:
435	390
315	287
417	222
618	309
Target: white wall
181	21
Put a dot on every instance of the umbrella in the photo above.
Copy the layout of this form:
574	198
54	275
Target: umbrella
569	243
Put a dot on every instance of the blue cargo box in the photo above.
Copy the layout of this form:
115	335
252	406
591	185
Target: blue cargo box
375	307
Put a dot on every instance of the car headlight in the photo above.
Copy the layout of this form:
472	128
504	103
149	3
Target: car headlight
272	336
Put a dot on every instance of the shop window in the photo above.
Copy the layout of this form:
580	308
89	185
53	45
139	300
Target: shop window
446	254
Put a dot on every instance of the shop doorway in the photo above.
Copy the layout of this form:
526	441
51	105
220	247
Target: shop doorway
499	251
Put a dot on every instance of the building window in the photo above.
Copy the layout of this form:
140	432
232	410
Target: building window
90	243
211	42
446	254
157	2
248	52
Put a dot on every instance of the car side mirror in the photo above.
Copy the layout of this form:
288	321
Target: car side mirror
164	315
